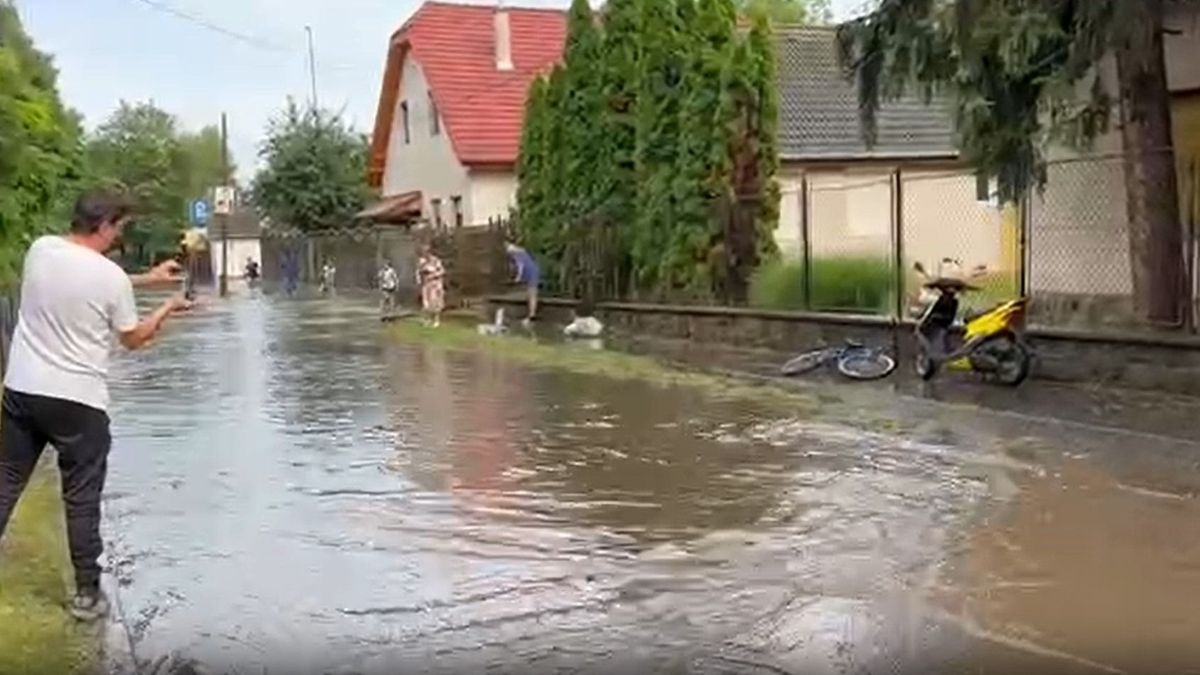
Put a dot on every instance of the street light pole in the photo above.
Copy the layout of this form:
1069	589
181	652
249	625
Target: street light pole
222	215
312	65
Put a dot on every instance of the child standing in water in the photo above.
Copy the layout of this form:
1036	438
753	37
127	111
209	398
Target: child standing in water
389	281
328	277
431	275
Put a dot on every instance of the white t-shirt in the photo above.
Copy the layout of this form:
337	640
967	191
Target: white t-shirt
73	302
388	279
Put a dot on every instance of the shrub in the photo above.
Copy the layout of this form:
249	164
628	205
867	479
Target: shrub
778	284
838	283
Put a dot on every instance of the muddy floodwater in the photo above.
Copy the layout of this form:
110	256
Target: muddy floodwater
294	489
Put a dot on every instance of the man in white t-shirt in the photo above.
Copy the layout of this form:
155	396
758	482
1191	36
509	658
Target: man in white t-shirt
74	301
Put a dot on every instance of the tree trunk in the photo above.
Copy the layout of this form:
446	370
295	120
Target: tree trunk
1151	184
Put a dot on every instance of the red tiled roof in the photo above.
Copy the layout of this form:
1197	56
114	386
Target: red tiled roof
482	106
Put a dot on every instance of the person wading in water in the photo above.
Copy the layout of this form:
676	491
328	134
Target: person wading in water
74	300
528	275
431	277
389	281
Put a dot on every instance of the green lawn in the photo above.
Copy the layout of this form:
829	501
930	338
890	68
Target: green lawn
576	358
36	634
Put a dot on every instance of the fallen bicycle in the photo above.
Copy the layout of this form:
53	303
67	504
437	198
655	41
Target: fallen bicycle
854	360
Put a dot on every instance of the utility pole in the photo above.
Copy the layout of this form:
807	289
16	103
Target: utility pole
312	66
222	214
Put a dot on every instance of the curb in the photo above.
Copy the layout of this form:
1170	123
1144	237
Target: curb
116	642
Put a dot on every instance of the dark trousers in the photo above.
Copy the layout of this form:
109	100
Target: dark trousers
81	436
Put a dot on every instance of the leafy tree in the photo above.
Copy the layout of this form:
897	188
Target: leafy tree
702	177
622	30
629	149
532	168
752	215
40	155
203	163
787	11
1013	70
136	150
140	150
315	170
763	127
581	110
660	78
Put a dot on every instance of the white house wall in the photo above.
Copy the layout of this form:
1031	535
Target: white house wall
850	215
426	162
239	251
787	236
493	194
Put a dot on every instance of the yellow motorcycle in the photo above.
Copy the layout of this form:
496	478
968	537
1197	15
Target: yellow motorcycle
992	343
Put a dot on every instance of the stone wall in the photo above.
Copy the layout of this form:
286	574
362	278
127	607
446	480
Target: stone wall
1167	363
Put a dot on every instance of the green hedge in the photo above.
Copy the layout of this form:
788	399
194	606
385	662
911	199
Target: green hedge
838	283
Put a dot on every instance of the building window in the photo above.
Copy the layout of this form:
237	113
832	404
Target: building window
435	124
404	120
436	206
458	211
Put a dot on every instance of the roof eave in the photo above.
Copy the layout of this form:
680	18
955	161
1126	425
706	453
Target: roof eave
490	164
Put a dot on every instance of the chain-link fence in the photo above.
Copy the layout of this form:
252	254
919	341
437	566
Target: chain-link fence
1111	245
1077	248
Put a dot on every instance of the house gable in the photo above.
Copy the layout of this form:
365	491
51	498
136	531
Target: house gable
420	154
481	99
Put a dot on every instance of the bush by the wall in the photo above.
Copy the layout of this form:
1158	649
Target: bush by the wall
838	283
779	284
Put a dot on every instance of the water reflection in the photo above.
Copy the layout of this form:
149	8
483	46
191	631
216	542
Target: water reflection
294	490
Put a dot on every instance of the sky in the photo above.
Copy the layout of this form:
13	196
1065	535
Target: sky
241	57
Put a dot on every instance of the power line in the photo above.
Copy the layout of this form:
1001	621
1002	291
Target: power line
244	38
204	23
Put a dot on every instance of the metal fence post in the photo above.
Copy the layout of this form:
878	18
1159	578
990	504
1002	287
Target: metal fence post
898	243
1024	255
1192	206
806	243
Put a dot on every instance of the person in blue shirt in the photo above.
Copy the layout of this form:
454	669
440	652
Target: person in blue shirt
528	275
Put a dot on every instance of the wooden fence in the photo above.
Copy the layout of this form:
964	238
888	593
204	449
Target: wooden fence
474	257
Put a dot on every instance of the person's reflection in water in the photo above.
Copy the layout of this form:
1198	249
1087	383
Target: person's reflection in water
464	421
489	424
421	405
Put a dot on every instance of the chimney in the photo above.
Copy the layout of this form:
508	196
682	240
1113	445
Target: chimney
503	31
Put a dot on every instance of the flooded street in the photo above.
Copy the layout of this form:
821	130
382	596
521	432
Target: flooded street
292	489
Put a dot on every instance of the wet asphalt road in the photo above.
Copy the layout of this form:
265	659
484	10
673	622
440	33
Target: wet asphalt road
294	489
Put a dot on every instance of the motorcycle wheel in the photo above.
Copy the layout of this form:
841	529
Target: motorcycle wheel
1013	362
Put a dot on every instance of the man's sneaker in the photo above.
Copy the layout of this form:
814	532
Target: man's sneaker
89	606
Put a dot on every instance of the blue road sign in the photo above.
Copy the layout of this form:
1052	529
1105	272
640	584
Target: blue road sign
199	211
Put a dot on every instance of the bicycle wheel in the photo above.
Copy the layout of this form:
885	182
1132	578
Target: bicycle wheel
866	364
806	363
